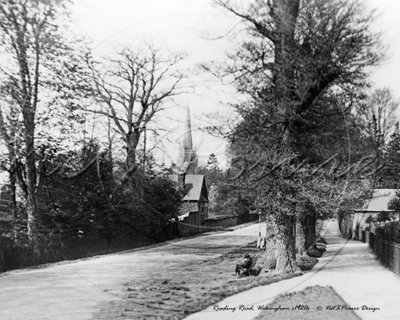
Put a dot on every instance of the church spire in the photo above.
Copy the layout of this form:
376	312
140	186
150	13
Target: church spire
186	151
187	134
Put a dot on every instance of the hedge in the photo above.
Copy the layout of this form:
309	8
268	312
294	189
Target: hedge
389	232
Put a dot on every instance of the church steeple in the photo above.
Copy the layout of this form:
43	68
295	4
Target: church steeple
187	134
186	151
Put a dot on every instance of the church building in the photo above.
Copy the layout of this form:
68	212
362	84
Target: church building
194	209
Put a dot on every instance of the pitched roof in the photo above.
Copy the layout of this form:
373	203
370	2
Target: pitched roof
379	200
193	186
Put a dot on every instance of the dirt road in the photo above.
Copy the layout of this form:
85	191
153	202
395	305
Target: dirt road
84	289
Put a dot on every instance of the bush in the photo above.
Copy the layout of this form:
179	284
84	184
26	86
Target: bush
314	252
379	232
389	232
306	263
321	240
383	216
317	250
369	220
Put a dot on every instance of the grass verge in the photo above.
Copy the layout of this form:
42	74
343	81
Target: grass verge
174	293
309	304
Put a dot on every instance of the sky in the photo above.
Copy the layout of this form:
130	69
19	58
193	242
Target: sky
197	27
176	25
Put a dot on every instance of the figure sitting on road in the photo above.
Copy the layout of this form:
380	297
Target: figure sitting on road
244	267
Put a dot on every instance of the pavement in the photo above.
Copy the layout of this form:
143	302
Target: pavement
348	266
78	289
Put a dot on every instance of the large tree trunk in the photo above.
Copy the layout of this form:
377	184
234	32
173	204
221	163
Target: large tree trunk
31	210
301	247
283	255
13	187
311	233
30	178
270	259
131	144
285	14
305	233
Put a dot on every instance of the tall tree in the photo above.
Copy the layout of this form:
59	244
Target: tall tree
28	32
133	88
378	114
390	173
298	53
8	134
34	80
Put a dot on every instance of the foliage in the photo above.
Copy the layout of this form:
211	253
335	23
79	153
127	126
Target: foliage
95	204
225	199
331	130
78	207
306	263
315	252
394	204
34	87
378	115
383	216
212	164
390	173
160	204
302	65
389	232
325	57
369	220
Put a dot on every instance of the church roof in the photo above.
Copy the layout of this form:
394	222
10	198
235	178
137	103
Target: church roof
193	186
379	200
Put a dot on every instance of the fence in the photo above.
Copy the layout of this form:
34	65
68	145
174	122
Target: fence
387	252
21	256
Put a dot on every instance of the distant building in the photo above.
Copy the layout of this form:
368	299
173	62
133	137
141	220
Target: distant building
194	217
376	204
194	209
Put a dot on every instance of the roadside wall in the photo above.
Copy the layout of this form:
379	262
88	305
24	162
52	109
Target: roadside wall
191	224
219	223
